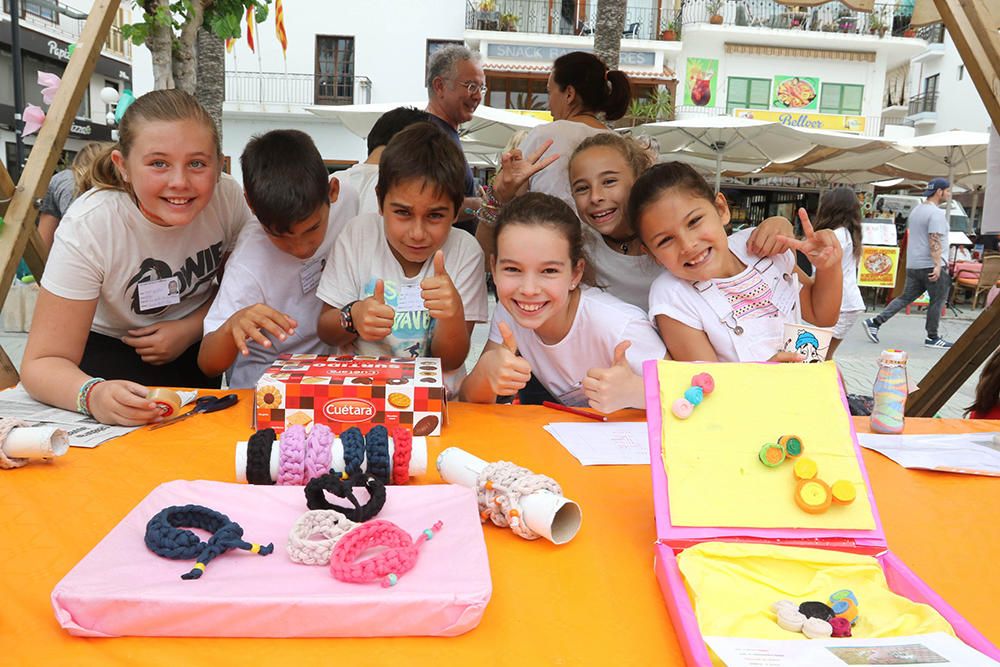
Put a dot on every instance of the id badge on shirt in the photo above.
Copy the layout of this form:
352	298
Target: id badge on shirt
574	398
310	275
409	299
155	294
783	296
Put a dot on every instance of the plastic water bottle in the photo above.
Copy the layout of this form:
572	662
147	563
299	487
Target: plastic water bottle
890	392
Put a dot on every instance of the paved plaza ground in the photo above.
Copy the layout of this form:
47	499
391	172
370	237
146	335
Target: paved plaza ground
857	357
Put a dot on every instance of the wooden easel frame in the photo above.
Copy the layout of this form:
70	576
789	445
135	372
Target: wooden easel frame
19	236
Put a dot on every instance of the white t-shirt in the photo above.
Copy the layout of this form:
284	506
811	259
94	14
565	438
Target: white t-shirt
602	322
361	255
628	277
362	178
258	272
851	300
566	135
105	247
679	300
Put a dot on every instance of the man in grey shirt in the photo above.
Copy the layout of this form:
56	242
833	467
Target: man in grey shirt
926	264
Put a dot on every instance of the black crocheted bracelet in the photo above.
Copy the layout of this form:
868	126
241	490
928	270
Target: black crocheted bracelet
259	456
377	453
354	450
165	536
335	484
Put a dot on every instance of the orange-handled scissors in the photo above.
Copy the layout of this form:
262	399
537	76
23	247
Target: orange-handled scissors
203	405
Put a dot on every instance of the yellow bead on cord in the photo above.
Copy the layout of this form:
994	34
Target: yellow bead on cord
254	548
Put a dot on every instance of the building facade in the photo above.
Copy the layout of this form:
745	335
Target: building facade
46	34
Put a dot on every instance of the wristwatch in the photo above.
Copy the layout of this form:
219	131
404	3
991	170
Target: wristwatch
346	321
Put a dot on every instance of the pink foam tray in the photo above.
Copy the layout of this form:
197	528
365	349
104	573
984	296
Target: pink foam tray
121	588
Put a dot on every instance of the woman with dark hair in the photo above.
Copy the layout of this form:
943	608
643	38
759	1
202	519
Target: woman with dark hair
583	94
840	211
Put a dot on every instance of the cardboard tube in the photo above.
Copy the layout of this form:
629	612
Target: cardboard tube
555	518
36	442
418	457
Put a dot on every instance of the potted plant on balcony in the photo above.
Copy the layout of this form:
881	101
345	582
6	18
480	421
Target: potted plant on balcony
714	8
508	22
876	26
670	33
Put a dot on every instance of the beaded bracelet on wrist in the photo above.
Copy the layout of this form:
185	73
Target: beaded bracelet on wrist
330	524
166	536
292	456
402	450
335	484
259	456
377	453
83	396
398	557
318	446
353	443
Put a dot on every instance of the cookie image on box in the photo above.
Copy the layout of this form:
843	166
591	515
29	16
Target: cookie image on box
269	396
399	400
299	418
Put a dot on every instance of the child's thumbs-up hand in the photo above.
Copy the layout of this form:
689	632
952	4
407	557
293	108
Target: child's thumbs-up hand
372	317
616	387
441	299
507	372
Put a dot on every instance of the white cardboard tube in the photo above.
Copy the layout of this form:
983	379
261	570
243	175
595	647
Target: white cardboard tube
555	518
418	457
36	442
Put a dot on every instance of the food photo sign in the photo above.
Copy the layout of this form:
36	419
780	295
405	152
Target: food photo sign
700	89
800	93
877	266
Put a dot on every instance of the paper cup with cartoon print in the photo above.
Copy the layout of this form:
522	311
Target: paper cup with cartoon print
809	342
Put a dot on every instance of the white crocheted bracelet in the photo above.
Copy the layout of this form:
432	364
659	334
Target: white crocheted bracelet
330	524
500	487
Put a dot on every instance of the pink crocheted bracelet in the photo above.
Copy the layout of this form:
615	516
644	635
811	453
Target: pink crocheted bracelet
291	459
398	558
318	446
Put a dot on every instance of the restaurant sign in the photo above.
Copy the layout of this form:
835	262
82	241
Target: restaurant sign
809	121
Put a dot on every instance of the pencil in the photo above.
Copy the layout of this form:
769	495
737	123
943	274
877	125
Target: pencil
574	411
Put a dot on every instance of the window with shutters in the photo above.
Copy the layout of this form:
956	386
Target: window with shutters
334	70
841	98
744	93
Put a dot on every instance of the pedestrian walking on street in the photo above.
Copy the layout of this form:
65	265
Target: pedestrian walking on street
926	264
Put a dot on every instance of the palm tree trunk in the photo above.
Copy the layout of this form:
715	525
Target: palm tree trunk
210	88
608	31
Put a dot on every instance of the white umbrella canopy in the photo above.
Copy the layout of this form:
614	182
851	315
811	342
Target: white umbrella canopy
751	143
489	126
955	154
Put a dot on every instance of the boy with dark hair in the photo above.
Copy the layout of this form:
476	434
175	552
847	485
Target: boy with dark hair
406	284
363	175
267	302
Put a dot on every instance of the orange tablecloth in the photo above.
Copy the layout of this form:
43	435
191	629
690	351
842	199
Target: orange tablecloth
592	601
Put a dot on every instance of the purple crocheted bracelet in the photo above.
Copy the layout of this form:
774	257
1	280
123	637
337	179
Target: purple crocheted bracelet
291	460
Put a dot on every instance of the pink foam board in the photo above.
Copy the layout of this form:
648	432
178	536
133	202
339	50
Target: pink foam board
121	588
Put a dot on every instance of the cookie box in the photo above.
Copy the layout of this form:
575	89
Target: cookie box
346	391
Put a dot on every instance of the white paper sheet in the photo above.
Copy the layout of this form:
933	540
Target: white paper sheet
612	443
83	431
969	453
934	649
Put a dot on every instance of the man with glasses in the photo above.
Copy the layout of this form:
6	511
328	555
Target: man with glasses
455	87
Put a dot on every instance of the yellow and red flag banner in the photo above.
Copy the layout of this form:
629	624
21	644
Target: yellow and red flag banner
230	41
279	25
250	23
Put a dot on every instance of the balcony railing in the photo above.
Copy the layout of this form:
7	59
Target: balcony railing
46	17
280	89
884	19
923	103
550	17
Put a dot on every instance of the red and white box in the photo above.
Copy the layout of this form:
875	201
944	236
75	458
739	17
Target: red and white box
346	391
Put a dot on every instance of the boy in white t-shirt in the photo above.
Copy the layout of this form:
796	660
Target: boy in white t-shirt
405	283
267	302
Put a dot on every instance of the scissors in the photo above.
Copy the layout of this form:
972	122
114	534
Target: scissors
203	405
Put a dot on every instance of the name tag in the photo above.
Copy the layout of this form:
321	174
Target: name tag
783	294
409	300
310	275
159	293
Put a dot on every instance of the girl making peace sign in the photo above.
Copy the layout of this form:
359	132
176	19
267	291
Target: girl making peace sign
717	301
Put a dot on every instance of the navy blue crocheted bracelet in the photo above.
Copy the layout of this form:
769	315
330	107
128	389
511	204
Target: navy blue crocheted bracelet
377	452
165	536
354	450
